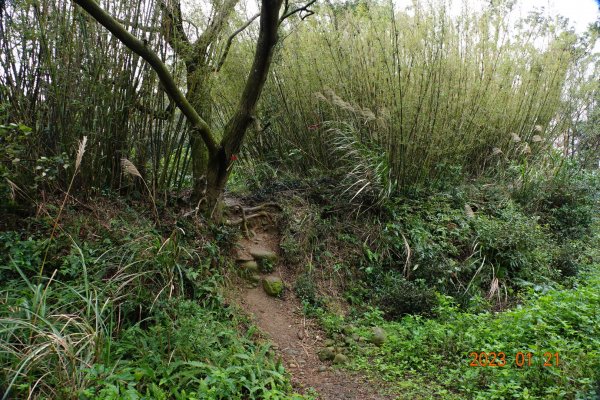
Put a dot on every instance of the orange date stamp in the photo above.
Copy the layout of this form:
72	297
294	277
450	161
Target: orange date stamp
520	359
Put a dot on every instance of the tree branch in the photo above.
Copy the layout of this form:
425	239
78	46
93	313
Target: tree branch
299	9
214	28
143	50
236	128
230	41
173	29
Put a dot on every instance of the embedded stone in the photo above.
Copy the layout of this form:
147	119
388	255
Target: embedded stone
340	359
262	254
326	354
347	329
249	267
273	286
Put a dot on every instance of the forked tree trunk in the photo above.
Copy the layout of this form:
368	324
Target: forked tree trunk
219	162
219	154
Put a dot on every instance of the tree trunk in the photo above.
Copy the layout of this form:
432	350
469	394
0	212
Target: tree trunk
219	162
219	155
217	175
198	83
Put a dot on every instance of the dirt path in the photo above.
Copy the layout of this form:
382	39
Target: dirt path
295	338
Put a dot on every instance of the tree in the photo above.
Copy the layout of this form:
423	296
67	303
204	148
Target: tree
199	63
219	154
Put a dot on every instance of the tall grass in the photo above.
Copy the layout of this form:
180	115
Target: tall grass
53	331
50	333
144	319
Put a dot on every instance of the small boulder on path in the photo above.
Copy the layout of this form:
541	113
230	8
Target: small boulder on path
249	267
273	286
242	256
340	359
326	354
263	254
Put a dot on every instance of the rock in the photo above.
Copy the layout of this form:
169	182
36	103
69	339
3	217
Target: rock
356	337
348	340
262	254
347	329
242	256
340	359
249	267
326	354
322	368
293	366
273	286
379	336
329	342
254	278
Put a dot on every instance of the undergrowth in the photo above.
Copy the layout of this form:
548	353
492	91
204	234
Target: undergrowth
561	321
497	264
484	241
123	311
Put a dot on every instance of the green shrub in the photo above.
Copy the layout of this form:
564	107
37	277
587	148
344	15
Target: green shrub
14	142
565	197
397	297
513	245
563	321
190	352
25	254
430	237
266	266
306	290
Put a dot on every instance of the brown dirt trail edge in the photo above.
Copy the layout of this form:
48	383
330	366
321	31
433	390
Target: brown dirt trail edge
297	339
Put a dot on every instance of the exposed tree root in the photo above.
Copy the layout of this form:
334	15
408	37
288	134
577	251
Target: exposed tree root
246	214
258	211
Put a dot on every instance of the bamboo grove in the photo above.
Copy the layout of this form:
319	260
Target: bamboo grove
403	96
